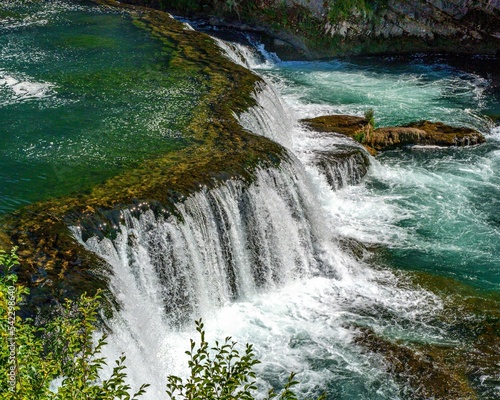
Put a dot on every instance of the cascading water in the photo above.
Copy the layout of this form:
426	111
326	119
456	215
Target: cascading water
263	263
276	261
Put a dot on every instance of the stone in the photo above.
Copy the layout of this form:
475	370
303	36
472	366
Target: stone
423	133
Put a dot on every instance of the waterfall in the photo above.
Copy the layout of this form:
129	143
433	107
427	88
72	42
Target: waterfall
341	161
343	166
231	243
260	261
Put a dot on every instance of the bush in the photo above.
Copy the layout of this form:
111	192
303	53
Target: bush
370	117
31	356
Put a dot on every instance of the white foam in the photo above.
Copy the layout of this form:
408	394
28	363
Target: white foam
20	88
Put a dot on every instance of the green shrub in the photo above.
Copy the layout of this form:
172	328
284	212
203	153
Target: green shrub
370	117
359	136
32	356
221	373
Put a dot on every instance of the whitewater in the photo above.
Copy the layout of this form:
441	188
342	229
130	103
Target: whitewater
272	263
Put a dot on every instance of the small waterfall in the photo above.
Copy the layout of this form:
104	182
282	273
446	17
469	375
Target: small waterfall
270	117
343	167
341	163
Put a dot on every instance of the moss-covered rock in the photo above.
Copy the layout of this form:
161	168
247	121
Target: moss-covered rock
346	125
465	366
424	133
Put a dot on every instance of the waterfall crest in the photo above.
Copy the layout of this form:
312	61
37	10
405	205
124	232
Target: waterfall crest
229	243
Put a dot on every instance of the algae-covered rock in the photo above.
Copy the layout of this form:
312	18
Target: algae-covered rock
461	365
421	369
423	133
348	125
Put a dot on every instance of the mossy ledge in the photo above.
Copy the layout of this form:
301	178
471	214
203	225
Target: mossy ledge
53	264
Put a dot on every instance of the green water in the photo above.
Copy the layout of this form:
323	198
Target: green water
84	93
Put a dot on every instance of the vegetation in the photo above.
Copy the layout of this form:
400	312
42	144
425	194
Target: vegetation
359	136
370	117
33	355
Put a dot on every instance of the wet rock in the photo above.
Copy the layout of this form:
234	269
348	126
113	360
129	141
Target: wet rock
347	125
343	166
55	265
423	133
424	371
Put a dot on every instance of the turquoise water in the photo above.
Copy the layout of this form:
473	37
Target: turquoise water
435	210
83	94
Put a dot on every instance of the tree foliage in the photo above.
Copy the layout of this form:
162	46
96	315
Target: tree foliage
32	357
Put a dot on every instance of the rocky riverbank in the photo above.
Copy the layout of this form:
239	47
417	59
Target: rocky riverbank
314	29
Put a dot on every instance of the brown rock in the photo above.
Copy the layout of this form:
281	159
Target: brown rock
347	125
424	133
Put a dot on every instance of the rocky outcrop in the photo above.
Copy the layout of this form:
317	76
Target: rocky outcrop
326	28
457	26
343	166
348	125
424	133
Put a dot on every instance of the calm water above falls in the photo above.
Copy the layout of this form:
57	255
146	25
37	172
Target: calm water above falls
79	88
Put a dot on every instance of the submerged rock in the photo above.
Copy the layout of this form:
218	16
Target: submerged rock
423	133
424	370
465	365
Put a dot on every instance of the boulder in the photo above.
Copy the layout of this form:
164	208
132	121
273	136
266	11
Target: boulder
347	125
423	133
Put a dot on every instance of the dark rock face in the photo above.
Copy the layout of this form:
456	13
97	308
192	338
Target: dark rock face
404	26
424	133
325	28
343	166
